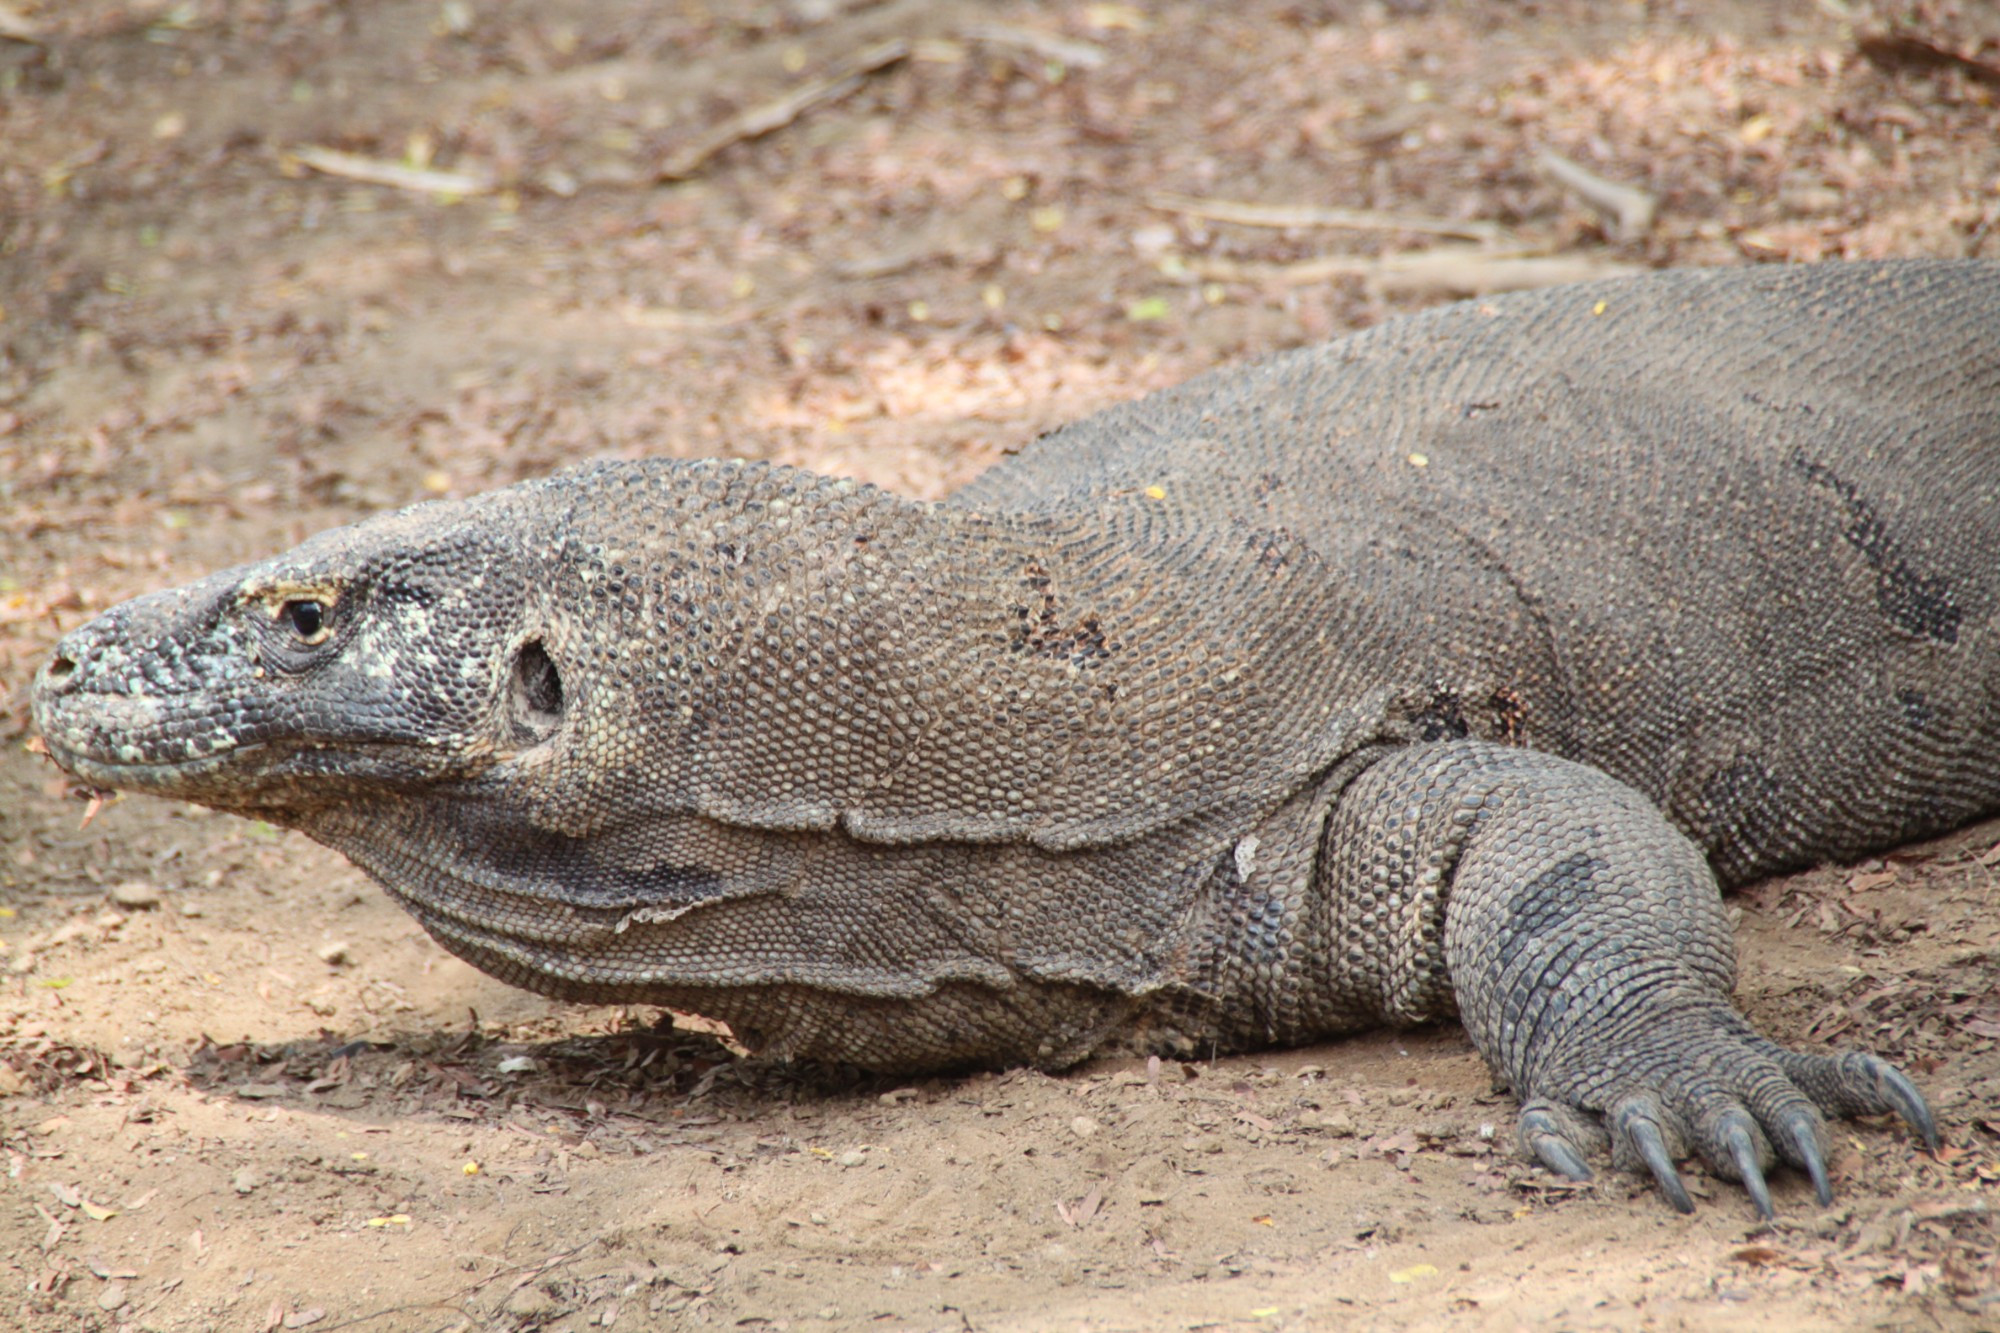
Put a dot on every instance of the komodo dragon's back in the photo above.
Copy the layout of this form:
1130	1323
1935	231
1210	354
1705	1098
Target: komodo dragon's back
1434	672
1733	537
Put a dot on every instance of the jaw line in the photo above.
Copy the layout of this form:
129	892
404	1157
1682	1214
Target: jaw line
120	773
264	764
165	778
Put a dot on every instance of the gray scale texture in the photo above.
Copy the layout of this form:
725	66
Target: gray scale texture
1439	670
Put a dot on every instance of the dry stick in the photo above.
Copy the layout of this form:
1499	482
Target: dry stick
1307	215
677	320
379	171
1425	273
1061	50
759	121
1441	273
1629	210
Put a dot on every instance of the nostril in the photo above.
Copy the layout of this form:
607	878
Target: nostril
59	671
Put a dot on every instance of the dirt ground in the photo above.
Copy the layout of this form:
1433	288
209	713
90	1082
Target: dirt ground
241	1091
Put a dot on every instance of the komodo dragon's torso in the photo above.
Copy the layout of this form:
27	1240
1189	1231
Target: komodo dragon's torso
1344	688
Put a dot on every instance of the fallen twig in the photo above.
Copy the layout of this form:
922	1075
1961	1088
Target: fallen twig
1443	273
1450	272
671	319
1309	215
1062	50
379	171
1300	273
845	76
1629	210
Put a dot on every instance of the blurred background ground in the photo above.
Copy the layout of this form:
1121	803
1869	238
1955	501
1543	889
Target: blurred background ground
269	265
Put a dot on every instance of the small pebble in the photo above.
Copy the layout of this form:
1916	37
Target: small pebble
335	953
1083	1127
136	893
1337	1123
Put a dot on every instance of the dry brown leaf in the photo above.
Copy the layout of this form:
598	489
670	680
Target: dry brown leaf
1757	1256
1895	51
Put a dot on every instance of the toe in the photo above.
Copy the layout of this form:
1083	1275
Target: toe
1636	1127
1653	1151
1559	1137
1797	1138
1739	1139
1896	1089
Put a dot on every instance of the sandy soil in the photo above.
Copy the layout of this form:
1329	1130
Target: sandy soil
242	1092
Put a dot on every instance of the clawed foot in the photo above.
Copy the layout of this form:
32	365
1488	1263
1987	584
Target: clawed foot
1742	1103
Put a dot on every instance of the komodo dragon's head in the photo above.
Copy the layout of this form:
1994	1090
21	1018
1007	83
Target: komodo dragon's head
561	657
387	656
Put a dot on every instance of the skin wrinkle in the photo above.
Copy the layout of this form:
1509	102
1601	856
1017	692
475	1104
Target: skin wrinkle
1566	689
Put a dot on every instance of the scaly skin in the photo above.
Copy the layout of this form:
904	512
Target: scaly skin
1442	670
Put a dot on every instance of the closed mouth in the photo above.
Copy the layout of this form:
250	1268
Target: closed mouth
110	769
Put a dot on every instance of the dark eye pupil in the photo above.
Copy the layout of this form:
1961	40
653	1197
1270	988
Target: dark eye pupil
306	617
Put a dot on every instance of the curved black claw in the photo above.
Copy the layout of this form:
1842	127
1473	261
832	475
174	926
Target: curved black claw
1559	1138
1902	1094
1652	1146
1559	1155
1740	1138
1801	1131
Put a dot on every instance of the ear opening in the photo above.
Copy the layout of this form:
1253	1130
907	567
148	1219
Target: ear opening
537	696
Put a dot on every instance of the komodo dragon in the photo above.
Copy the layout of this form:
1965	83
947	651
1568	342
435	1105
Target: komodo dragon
1440	670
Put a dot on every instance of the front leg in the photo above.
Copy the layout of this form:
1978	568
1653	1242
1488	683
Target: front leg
1582	940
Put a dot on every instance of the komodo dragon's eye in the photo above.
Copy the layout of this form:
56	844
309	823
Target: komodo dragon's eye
308	620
